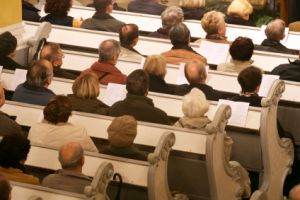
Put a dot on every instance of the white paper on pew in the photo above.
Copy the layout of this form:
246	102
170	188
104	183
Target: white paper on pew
41	116
283	41
239	112
266	83
215	53
114	92
181	76
142	62
19	77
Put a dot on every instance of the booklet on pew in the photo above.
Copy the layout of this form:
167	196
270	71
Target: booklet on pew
266	83
181	79
239	112
215	53
114	92
19	77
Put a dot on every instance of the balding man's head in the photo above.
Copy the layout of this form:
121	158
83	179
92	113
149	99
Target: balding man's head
195	72
109	51
275	30
53	53
295	193
71	156
128	35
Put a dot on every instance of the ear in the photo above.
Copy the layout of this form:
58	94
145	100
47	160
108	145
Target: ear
134	42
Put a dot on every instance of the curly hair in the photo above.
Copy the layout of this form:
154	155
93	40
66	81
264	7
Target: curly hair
58	7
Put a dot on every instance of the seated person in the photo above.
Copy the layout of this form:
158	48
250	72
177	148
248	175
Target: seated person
238	12
58	13
241	51
193	9
249	80
102	20
55	130
196	75
151	7
86	89
136	103
181	52
129	37
105	68
156	67
194	107
8	51
170	17
289	71
35	89
53	53
121	134
13	154
5	189
29	12
70	177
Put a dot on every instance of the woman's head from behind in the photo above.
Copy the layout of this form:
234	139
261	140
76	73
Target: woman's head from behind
240	8
86	86
58	110
241	49
58	7
195	104
192	4
156	65
213	22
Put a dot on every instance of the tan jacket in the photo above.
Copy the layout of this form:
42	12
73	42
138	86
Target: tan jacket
126	53
234	66
177	56
17	175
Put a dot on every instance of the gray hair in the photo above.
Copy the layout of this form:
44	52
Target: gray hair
179	34
275	30
108	49
73	161
39	74
172	15
195	104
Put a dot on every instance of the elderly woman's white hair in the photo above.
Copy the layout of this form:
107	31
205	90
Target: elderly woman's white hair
195	104
192	4
241	8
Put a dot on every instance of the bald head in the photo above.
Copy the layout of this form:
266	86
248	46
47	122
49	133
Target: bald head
2	96
53	53
71	156
295	193
195	72
109	51
275	30
128	35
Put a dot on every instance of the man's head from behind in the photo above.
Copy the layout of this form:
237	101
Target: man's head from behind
8	44
275	30
129	35
71	156
179	34
53	53
109	51
138	83
5	189
195	72
250	79
40	74
103	6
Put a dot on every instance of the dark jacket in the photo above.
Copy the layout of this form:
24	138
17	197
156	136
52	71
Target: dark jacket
8	125
157	84
274	46
146	7
254	99
29	12
141	108
58	20
102	22
196	14
210	93
9	63
160	33
32	94
88	105
290	72
127	152
238	21
62	73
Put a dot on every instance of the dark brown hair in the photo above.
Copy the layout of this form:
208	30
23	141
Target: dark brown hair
250	78
241	49
58	7
58	109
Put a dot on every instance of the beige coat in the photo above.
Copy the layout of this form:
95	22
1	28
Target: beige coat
177	56
126	53
234	66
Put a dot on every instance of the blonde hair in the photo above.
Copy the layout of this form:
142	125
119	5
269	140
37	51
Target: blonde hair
212	22
195	104
241	8
192	3
156	65
86	86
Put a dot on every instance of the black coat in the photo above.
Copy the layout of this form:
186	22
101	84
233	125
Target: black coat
9	63
254	100
8	126
238	21
127	152
62	73
146	7
157	84
29	12
275	46
290	72
58	20
196	14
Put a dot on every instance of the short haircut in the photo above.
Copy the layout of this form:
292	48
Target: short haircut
275	29
74	160
50	52
179	34
212	22
101	5
38	74
195	72
192	4
8	44
170	16
108	49
240	8
5	188
156	65
86	86
58	109
195	104
241	49
128	33
58	7
250	78
13	149
137	82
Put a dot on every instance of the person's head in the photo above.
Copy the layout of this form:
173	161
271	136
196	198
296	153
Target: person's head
122	131
240	8
5	189
213	23
275	30
170	16
86	86
129	35
137	83
58	110
156	65
58	7
295	193
241	49
195	72
53	53
8	45
192	4
71	156
179	34
103	6
109	51
250	79
195	104
13	150
40	73
2	95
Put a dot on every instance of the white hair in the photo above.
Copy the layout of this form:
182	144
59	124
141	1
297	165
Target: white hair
195	103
